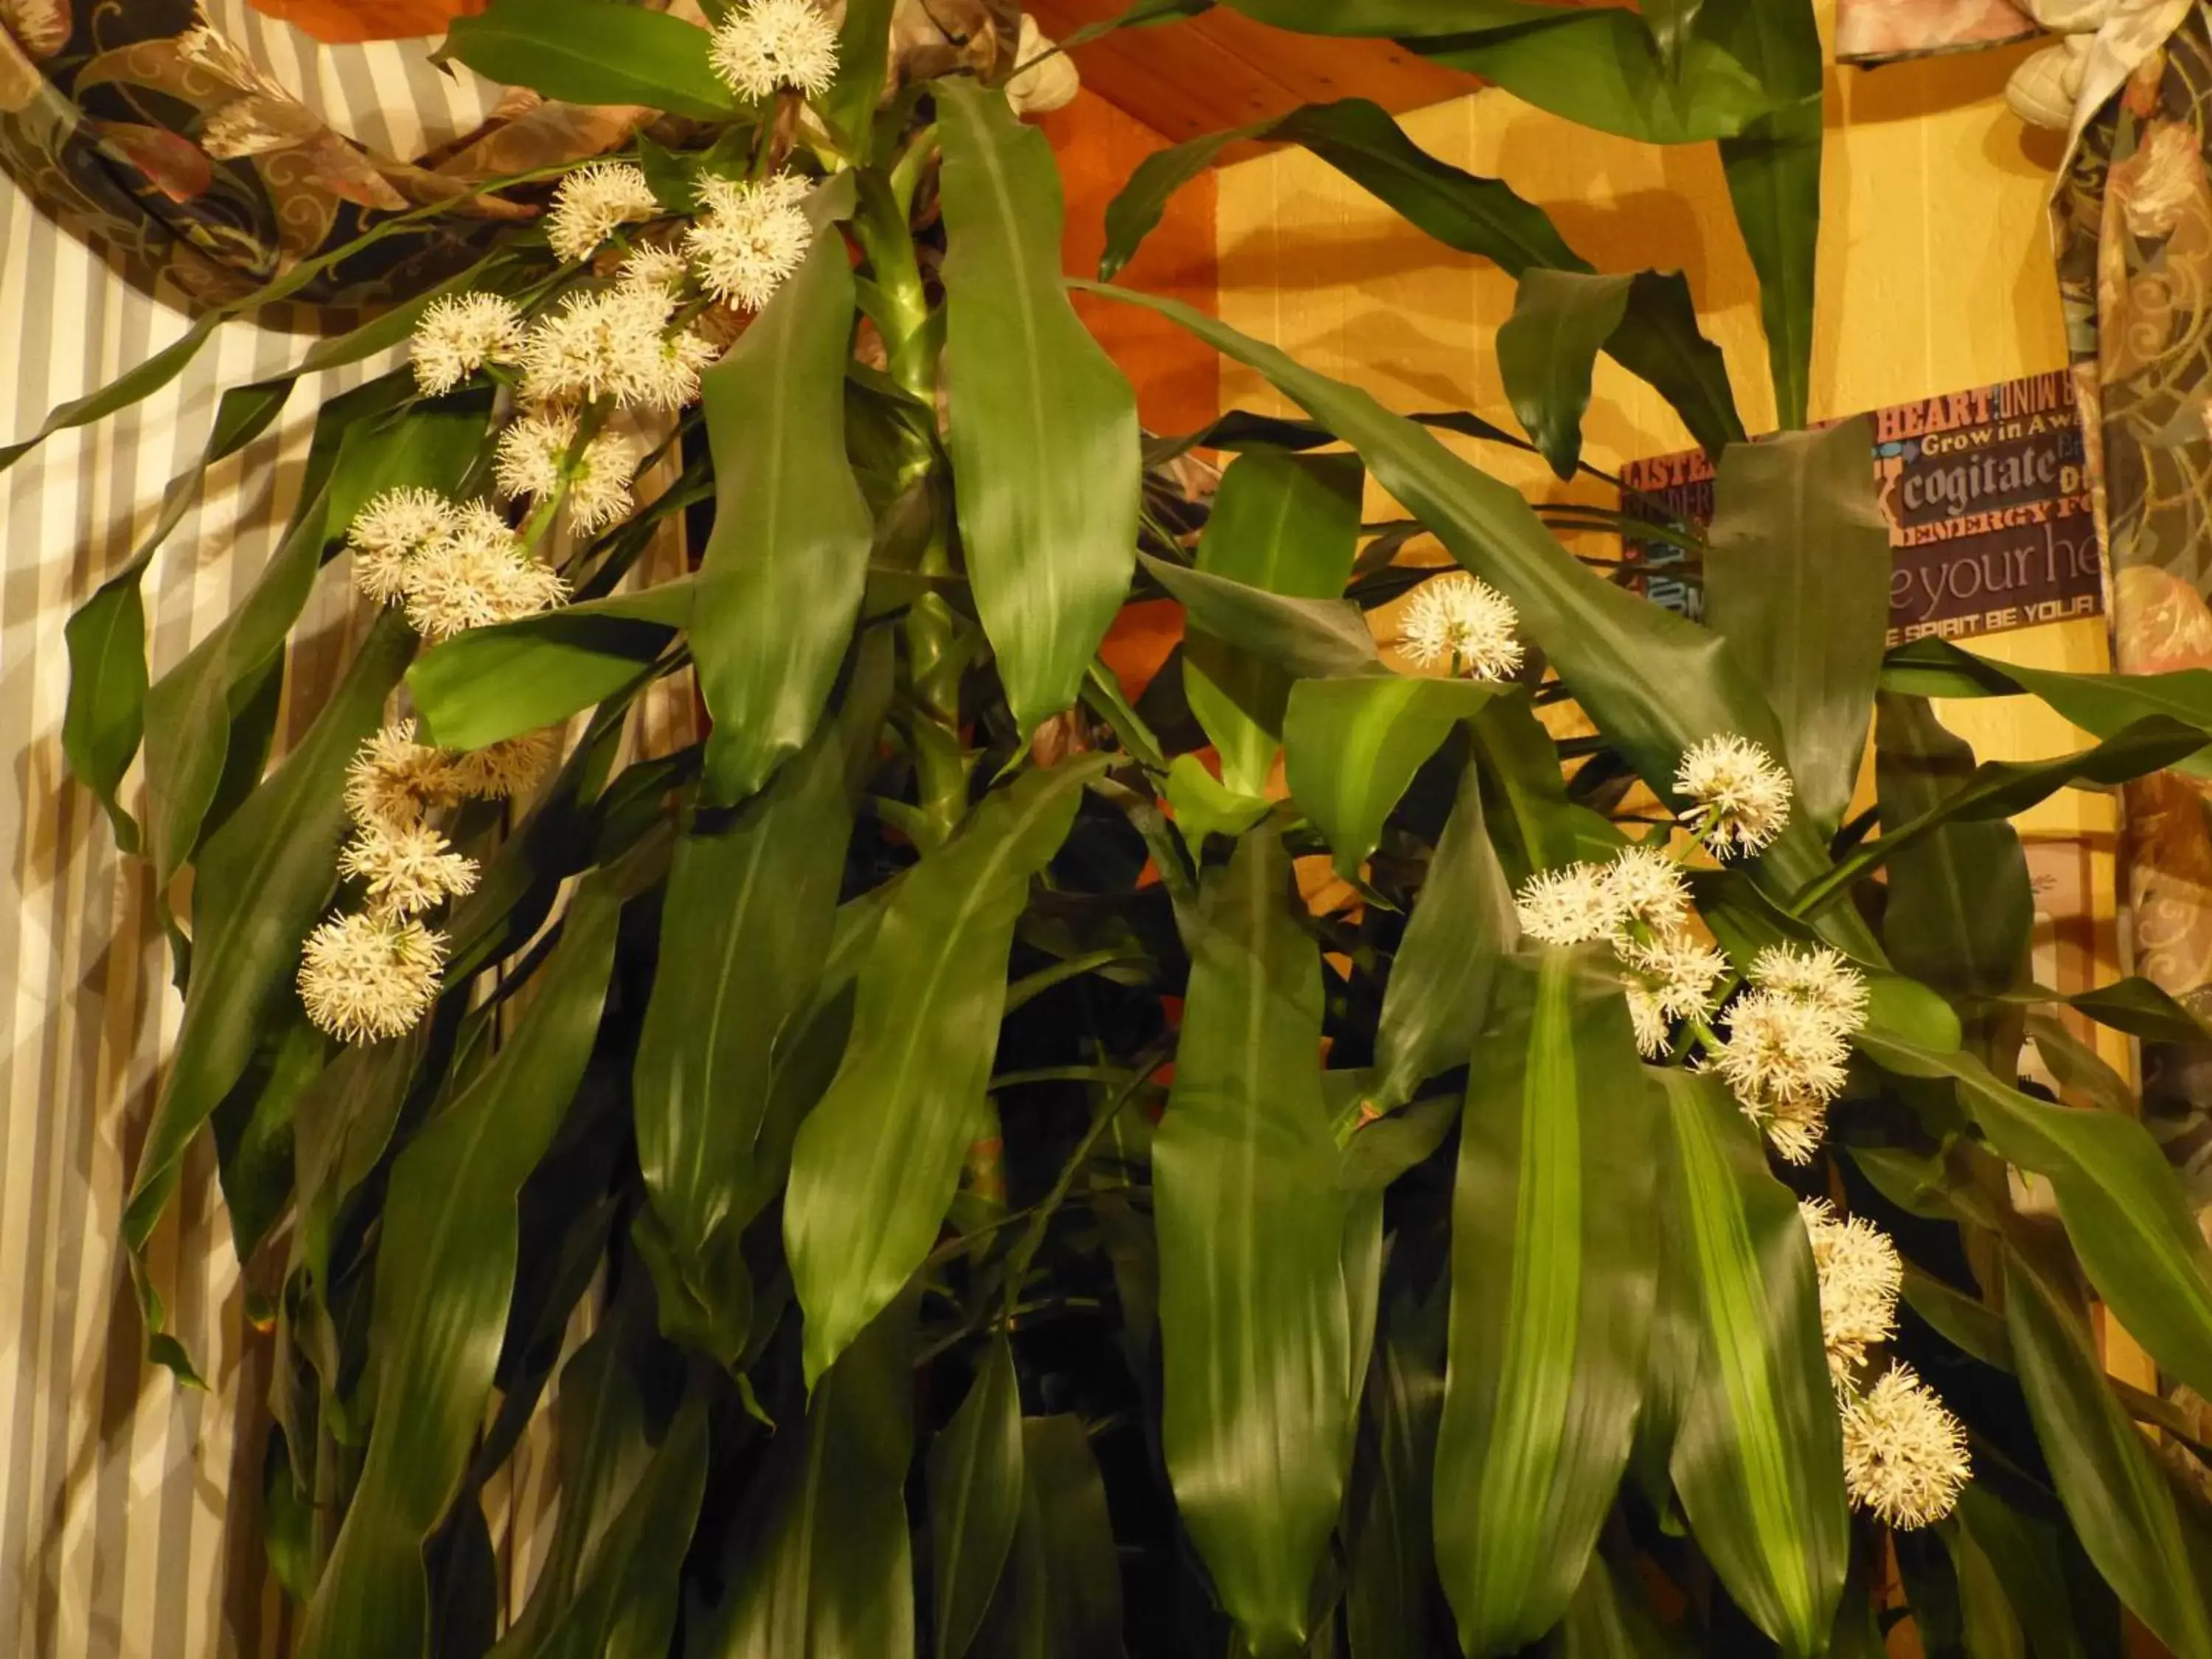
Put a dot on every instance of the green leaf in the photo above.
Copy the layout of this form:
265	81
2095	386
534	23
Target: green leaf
1553	1280
490	683
1531	823
1389	1532
1043	427
1303	638
2122	1206
779	585
594	51
262	881
1203	806
1653	682
1547	348
253	1127
1607	1620
1658	341
1061	1598
975	1478
2148	1540
1289	524
877	1159
1255	1323
2133	1004
1758	1455
445	1273
1773	171
1437	1000
1350	748
751	905
1797	580
2046	1577
863	60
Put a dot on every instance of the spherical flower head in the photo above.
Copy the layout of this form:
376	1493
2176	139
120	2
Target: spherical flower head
1904	1454
1647	1014
478	576
1794	1127
1674	978
1648	888
598	345
775	43
388	533
1818	977
526	461
393	780
749	237
1463	624
534	452
407	869
1741	797
658	269
1784	1063
506	769
458	333
366	978
1570	905
672	380
1860	1278
593	203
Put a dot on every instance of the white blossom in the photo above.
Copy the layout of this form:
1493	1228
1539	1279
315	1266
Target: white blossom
1465	624
507	768
1571	905
749	237
610	344
1817	976
365	978
1860	1278
406	869
479	575
386	535
770	44
1904	1454
1783	1061
458	334
593	203
1741	797
393	780
1648	888
534	449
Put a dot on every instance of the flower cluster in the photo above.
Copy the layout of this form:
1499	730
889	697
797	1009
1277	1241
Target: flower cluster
1740	797
1860	1278
614	343
767	45
1788	1041
371	974
594	201
534	457
453	566
1464	623
749	237
458	334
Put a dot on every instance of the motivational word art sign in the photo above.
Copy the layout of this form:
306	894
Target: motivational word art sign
1988	504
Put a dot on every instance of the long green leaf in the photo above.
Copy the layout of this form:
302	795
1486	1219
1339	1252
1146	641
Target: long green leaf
974	1500
1553	1280
445	1273
1797	582
1658	341
1350	748
779	583
594	51
1758	1455
1303	638
1547	348
1043	427
877	1161
864	38
750	907
1389	1529
1289	524
2152	1544
1063	1595
1255	1323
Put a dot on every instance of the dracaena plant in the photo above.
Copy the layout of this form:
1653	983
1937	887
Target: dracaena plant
1391	1135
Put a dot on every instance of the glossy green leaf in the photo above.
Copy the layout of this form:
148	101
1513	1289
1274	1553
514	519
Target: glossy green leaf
1659	341
779	585
1389	1532
1797	580
262	881
976	1480
1063	1591
1547	348
1289	524
594	51
1350	748
1441	980
2045	1575
1553	1280
1758	1455
863	60
825	1569
1303	638
1043	427
1256	1325
2151	1542
2100	704
1607	1619
445	1271
1531	821
2122	1206
1203	806
878	1158
2133	1004
752	899
490	683
252	1126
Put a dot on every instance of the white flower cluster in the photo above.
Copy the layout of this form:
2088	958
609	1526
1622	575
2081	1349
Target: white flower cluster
371	974
1462	622
767	45
458	334
533	456
1788	1041
453	566
1860	1278
593	203
1739	796
749	237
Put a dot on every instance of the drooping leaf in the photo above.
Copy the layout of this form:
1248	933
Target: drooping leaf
253	1127
779	585
1203	806
1350	748
2152	1543
1659	341
2132	1004
1797	580
877	1159
1553	1279
976	1480
1547	348
1289	524
1758	1455
491	684
1043	427
1303	638
594	51
1255	1319
751	903
445	1271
